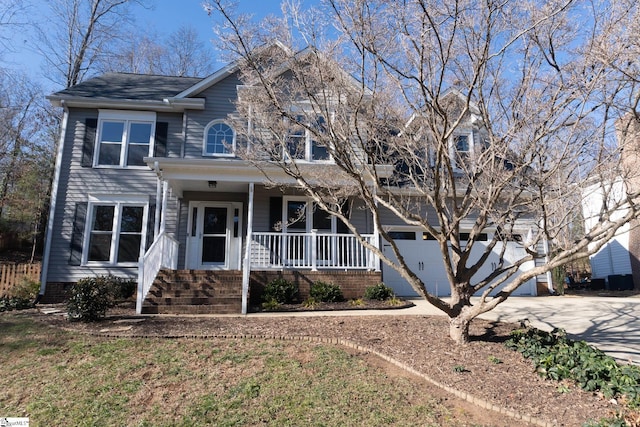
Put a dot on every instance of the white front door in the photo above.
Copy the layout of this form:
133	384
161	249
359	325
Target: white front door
214	240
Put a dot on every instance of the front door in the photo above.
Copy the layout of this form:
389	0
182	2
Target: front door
214	240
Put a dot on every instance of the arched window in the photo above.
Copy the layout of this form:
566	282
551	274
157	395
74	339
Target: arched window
219	139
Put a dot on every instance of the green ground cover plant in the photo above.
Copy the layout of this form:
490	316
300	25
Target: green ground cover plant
63	378
557	357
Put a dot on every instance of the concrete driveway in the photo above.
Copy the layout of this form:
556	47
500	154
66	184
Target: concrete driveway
610	323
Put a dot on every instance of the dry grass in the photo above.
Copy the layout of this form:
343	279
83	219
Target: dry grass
56	377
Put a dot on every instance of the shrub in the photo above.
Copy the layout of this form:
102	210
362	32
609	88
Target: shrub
326	292
121	288
379	292
21	296
281	291
91	297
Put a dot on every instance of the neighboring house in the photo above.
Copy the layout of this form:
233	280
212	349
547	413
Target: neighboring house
618	261
147	180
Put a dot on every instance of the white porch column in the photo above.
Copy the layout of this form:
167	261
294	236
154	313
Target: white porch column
246	266
156	218
165	193
376	238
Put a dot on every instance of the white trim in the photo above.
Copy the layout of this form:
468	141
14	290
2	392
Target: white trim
205	140
127	118
54	198
147	116
246	268
309	225
118	201
192	251
167	104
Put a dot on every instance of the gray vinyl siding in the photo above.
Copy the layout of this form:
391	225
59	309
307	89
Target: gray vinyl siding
174	133
74	186
219	104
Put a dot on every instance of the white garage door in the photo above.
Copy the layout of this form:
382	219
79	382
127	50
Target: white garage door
423	256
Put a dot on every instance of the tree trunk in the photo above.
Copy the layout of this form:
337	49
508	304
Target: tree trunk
459	328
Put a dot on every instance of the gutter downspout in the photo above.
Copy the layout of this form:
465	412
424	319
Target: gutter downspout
246	268
52	204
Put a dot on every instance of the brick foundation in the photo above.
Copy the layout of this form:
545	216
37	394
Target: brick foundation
352	283
56	292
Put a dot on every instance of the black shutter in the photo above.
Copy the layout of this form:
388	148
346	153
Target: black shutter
160	147
151	225
88	142
341	227
77	234
275	213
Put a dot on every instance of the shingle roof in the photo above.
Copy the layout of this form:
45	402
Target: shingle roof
130	86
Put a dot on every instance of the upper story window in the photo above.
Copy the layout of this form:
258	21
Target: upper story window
461	150
219	139
124	138
301	144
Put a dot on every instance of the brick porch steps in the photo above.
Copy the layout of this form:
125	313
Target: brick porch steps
195	292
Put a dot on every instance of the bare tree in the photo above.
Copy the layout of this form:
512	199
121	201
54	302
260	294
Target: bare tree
12	17
79	34
181	54
186	54
396	86
26	161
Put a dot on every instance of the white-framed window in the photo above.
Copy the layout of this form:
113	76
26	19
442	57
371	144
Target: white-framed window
300	142
301	215
219	139
116	230
124	138
461	149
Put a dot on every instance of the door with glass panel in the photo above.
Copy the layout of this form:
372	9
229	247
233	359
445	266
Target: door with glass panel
214	236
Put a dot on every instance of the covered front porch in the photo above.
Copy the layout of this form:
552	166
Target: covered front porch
227	219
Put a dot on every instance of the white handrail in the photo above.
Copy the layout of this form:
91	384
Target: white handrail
313	250
163	253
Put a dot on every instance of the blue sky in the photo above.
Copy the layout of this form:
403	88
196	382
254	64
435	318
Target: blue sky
164	17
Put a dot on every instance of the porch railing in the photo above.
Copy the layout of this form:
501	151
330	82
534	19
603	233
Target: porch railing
311	250
163	253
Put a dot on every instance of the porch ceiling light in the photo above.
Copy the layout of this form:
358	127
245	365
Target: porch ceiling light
212	184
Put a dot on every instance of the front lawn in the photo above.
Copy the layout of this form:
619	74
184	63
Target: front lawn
66	378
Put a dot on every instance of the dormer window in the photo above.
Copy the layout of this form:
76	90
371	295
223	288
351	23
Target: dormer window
219	139
300	142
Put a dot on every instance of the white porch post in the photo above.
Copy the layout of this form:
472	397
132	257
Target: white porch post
165	194
156	219
376	238
314	250
246	267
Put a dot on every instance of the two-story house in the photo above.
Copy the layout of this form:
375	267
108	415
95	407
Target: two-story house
148	185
